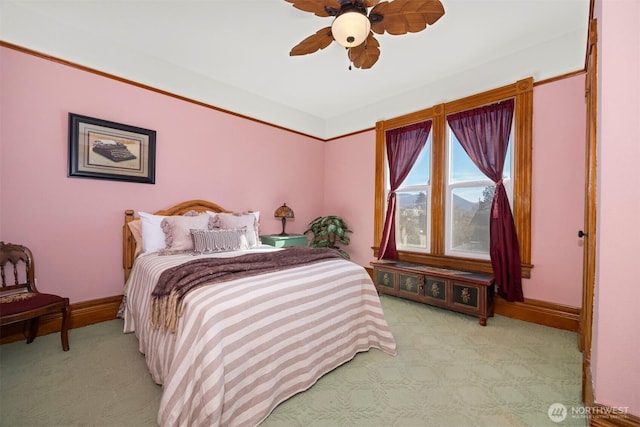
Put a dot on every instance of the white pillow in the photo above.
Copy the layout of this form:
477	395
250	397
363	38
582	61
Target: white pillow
153	238
240	220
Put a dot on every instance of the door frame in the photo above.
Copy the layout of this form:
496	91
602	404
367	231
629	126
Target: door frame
589	236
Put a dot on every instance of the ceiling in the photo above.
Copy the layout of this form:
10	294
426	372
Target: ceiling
234	54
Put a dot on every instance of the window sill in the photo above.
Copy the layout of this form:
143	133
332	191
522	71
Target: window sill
467	264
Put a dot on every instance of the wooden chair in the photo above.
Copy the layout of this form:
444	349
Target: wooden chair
20	300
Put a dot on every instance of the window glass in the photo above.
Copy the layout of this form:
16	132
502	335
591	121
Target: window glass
412	222
421	172
469	197
468	229
413	204
462	167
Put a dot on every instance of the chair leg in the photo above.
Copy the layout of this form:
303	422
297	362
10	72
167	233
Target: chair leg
64	336
32	327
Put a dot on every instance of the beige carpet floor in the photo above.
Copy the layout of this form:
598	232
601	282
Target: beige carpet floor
449	371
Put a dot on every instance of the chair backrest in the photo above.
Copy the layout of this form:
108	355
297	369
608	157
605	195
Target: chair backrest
16	268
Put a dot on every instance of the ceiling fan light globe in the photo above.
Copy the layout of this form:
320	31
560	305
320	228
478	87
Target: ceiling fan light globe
350	29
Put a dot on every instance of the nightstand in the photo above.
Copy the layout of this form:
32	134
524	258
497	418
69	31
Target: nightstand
284	241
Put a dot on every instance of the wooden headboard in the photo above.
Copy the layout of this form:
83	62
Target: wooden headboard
129	243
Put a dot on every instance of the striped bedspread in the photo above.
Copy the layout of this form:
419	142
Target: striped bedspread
245	345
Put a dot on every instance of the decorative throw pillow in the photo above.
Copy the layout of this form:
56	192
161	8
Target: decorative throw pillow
152	234
214	221
219	240
250	220
135	227
177	232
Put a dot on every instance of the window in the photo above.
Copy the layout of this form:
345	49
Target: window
469	194
443	204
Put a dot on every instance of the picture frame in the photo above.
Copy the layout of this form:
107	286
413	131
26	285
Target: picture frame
102	149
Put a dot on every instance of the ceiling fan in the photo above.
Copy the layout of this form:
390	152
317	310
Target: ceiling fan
353	28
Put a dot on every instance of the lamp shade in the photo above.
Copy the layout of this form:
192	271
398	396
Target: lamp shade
350	28
284	211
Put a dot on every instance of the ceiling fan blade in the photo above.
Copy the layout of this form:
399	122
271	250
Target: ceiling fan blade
315	42
370	3
433	10
404	16
317	7
365	55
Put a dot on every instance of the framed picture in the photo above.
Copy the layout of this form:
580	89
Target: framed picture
107	150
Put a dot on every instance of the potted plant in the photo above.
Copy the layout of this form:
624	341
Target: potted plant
327	232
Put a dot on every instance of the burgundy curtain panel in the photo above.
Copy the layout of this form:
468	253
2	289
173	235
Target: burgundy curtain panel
403	148
484	134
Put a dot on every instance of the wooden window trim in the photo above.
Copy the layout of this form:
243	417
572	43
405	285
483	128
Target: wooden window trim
522	92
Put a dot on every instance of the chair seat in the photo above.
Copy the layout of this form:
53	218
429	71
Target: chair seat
37	300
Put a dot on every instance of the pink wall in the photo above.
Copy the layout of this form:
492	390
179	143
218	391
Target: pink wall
616	327
73	225
241	164
348	189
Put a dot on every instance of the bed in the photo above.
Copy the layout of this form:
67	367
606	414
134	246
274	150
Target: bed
243	345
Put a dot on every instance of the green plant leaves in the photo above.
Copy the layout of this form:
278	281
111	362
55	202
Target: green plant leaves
327	231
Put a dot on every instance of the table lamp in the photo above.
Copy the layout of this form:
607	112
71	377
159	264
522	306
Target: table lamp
284	212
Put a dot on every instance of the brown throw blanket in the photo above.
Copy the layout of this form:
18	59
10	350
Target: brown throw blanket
175	282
